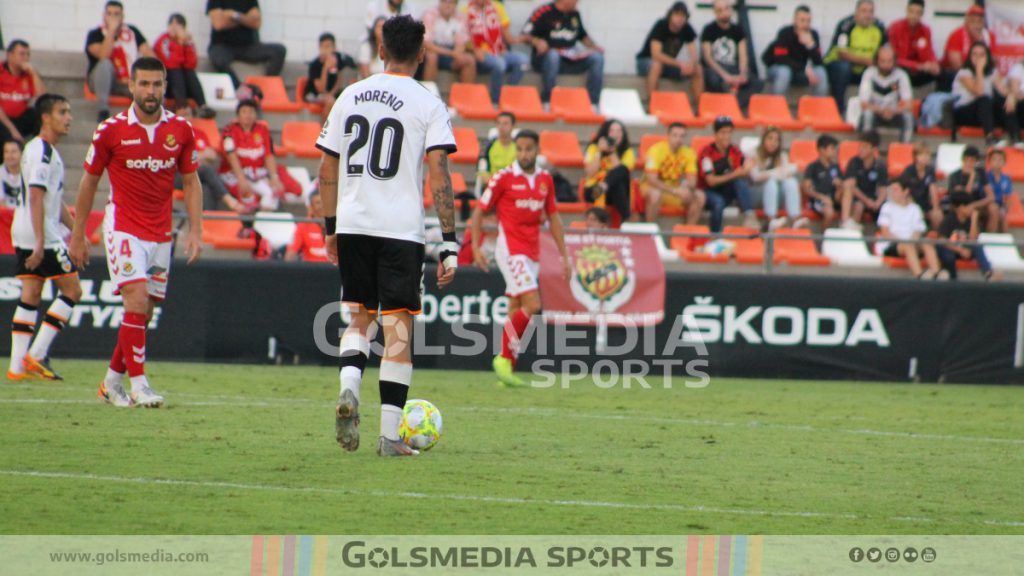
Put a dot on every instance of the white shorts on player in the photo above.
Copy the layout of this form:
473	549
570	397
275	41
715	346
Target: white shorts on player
519	271
131	260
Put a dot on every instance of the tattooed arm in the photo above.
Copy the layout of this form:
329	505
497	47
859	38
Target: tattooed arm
444	203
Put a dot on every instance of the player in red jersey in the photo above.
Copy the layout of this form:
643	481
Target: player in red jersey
521	195
142	148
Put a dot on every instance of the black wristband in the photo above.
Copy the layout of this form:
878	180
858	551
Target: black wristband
448	237
330	224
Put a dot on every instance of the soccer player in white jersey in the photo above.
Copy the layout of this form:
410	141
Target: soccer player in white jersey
39	243
371	177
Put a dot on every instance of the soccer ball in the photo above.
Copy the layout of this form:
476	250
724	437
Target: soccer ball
421	424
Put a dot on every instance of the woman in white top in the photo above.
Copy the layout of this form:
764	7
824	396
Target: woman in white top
1015	98
981	95
369	51
900	218
774	173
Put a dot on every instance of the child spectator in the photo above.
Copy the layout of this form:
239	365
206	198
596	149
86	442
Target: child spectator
866	178
1001	186
722	173
178	53
900	224
971	179
923	184
961	225
823	181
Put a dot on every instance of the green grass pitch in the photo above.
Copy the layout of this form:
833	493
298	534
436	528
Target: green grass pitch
250	449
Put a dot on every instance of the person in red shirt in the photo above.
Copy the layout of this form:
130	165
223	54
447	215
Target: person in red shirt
141	149
911	39
215	193
521	195
249	169
111	49
19	85
309	243
722	174
178	53
958	45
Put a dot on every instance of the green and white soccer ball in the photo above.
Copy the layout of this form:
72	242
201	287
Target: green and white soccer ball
421	424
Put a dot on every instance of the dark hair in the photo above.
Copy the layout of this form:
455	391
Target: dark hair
372	35
327	36
403	38
15	43
248	102
802	8
46	102
916	3
997	152
113	3
675	125
971	151
677	7
150	64
6	142
990	66
527	133
603	131
179	18
510	116
905	183
824	141
870	137
600	213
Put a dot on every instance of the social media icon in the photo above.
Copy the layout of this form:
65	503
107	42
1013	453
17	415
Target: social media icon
892	554
928	554
874	554
856	554
910	555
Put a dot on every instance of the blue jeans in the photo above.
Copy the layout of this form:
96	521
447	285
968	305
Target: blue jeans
791	194
551	63
949	258
840	76
497	66
781	78
718	198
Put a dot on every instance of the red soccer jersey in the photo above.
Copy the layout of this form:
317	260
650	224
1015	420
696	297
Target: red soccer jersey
711	160
202	140
913	46
309	242
252	149
959	40
15	91
519	204
142	161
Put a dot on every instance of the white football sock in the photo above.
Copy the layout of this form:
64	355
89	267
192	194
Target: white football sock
24	319
53	323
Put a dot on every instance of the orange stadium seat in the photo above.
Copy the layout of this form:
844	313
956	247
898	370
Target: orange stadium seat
578	225
275	97
802	153
573	106
94	226
686	246
714	105
458	187
847	150
561	148
299	139
1014	211
747	250
572	207
472	101
672	107
114	101
224	234
209	127
468	146
1014	164
900	156
773	110
300	88
821	114
798	252
524	102
646	141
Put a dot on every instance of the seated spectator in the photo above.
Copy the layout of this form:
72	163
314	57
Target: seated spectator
723	46
961	225
112	48
561	45
823	181
958	45
387	8
500	151
368	59
885	96
722	174
19	85
795	54
911	39
1015	96
175	49
981	93
596	218
773	172
446	40
971	180
608	162
236	36
323	82
10	175
921	181
1002	187
670	51
215	194
900	224
249	168
670	177
866	180
854	44
309	245
492	45
488	241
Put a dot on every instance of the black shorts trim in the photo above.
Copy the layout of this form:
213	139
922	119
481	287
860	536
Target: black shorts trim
381	274
56	263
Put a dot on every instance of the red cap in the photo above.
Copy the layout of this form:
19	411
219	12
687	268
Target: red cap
976	10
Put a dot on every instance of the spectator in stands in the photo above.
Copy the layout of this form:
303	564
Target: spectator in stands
596	218
958	45
796	54
19	85
670	177
561	45
981	93
387	8
885	96
723	46
112	48
971	180
854	44
608	163
178	53
1002	187
309	245
323	81
722	174
236	36
368	59
911	39
866	180
900	225
823	181
961	225
492	44
215	194
670	51
774	173
500	151
446	40
1015	96
249	168
921	181
10	175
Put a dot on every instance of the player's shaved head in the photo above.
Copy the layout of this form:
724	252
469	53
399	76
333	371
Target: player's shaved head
403	39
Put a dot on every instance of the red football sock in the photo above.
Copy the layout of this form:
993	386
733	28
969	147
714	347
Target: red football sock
117	360
131	339
515	327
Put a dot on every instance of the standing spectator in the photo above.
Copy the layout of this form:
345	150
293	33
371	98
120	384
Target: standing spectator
492	44
921	181
670	51
368	59
823	181
981	96
178	53
236	36
854	44
608	163
866	179
670	177
111	49
885	96
446	40
309	245
19	85
323	81
774	173
1002	187
723	46
796	54
215	193
561	44
900	225
249	168
971	180
961	225
912	40
10	175
722	174
958	45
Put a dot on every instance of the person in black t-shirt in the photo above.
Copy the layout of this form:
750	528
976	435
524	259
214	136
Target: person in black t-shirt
866	179
323	83
960	225
670	51
970	178
923	184
724	52
111	49
823	181
561	45
795	54
236	36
